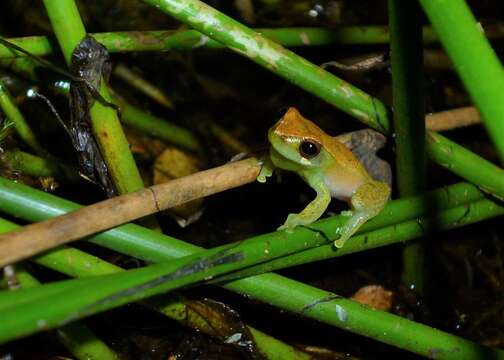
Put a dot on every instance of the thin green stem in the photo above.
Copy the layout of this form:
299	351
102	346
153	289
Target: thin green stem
144	86
474	60
157	127
69	30
191	39
34	165
13	114
409	124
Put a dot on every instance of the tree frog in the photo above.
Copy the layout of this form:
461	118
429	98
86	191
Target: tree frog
344	168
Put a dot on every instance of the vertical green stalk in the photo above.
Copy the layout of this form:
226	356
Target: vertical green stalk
69	30
409	124
474	60
77	338
13	114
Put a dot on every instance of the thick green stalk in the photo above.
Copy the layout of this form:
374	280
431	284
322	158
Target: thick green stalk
69	30
474	60
472	167
77	338
13	114
309	301
274	57
140	242
76	263
454	217
409	125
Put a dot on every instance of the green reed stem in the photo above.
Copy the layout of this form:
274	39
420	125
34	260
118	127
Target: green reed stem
11	111
409	124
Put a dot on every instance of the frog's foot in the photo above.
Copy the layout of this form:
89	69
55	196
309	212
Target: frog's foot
266	169
292	221
352	225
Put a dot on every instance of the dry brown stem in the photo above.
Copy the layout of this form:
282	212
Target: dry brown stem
36	238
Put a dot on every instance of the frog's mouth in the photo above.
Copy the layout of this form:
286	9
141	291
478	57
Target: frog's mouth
281	145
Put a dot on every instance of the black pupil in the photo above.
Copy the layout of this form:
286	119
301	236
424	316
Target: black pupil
309	149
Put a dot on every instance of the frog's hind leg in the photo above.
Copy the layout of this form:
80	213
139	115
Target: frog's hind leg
366	203
314	209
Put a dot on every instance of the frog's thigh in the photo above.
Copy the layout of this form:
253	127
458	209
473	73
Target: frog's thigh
366	203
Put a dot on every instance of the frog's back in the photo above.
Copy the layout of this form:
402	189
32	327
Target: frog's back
344	158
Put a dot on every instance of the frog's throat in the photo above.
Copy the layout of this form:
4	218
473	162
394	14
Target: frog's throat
280	161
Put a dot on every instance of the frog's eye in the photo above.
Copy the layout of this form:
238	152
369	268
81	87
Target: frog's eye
309	149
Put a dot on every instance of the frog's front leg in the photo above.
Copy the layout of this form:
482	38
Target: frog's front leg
314	209
267	168
366	203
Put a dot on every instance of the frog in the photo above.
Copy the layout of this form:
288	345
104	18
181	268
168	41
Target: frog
344	167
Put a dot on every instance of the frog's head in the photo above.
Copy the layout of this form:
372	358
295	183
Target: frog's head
297	139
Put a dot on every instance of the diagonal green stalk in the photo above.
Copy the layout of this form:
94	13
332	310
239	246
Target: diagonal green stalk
76	263
281	61
474	60
470	166
409	125
69	30
140	242
77	338
61	302
326	86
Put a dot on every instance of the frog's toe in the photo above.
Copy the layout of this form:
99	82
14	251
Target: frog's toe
261	178
292	221
287	228
340	242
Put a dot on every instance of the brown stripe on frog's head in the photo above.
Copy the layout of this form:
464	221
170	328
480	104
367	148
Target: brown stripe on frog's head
293	124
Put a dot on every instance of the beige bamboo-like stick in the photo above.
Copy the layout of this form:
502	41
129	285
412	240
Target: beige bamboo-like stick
452	119
36	238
